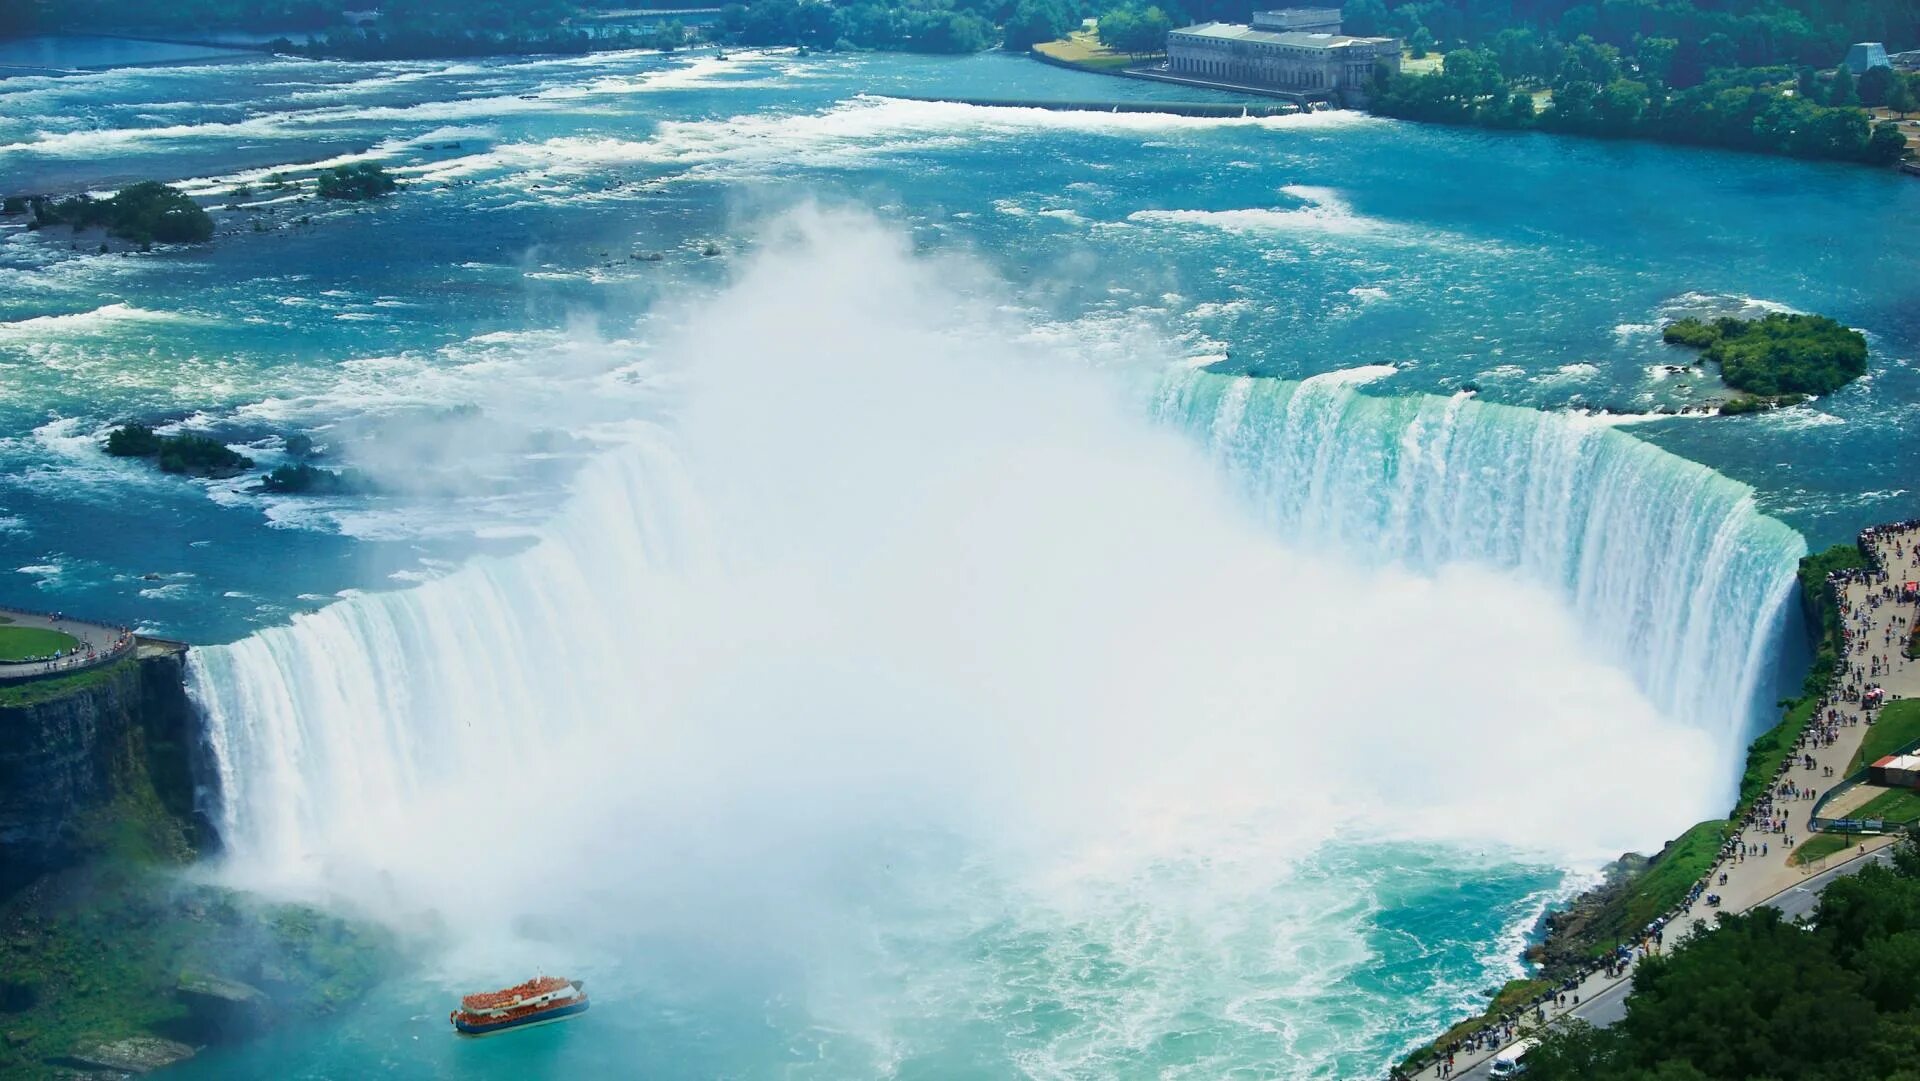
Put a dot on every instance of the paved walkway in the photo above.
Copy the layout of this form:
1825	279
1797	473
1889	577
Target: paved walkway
1756	867
104	642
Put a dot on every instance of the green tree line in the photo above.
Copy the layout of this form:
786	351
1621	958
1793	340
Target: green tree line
1595	90
1758	996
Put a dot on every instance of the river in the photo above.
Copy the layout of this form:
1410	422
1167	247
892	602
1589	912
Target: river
1003	591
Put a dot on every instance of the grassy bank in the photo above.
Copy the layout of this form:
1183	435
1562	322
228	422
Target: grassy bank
1897	726
46	690
1082	49
1513	996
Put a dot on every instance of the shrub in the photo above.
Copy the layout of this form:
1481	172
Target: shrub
133	441
356	183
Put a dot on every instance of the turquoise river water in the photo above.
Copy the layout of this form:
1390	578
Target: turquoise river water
894	588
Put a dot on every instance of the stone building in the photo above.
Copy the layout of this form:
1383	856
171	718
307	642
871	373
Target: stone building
1299	20
1295	50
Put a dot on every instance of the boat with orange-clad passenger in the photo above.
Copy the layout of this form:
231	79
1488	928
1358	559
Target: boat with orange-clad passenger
538	1001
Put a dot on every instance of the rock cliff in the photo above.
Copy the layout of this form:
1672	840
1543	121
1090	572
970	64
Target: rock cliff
100	759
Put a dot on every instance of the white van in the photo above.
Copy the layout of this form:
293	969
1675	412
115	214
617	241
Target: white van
1507	1063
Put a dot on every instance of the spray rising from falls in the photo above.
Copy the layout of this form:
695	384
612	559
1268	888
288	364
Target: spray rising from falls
1668	566
927	660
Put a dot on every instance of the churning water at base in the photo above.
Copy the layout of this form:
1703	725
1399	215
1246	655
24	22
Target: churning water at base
911	694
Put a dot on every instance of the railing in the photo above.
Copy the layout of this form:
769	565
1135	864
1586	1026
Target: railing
124	642
1837	583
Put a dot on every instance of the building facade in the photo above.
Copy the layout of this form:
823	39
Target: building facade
1317	63
1299	21
1866	54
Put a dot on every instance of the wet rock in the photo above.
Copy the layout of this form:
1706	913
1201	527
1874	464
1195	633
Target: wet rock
133	1054
224	1008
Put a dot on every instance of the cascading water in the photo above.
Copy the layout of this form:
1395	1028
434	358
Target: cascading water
1669	567
924	661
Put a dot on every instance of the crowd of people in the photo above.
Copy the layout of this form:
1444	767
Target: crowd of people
1850	701
85	650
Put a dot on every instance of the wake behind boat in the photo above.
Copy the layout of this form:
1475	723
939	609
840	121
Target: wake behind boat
535	1002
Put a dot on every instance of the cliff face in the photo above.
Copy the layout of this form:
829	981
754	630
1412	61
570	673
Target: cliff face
96	761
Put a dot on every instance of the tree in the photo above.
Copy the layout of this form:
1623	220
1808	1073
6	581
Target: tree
1900	97
1806	83
1875	84
1421	43
1117	27
1842	92
1035	21
1887	144
367	180
1129	31
1654	57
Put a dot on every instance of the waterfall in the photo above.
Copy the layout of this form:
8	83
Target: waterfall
330	729
1669	567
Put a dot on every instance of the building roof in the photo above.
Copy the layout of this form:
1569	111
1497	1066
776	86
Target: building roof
1293	38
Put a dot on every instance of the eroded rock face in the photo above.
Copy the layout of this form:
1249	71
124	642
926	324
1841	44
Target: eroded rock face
133	1054
128	726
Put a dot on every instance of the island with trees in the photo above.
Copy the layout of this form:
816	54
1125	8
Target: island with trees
355	183
1776	360
300	478
145	213
192	455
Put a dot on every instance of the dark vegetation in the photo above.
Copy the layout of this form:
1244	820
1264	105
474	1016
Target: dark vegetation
355	183
1596	90
1778	355
1822	616
403	29
109	945
1128	29
194	455
924	26
304	479
145	213
1760	997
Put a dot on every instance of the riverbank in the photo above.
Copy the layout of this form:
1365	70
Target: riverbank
1747	859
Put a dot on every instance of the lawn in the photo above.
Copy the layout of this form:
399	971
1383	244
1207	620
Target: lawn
1898	725
1083	50
1898	805
32	643
1820	846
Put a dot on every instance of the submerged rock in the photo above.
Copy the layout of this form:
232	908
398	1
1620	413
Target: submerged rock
133	1054
222	1007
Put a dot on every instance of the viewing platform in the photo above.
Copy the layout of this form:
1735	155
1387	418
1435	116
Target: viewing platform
70	645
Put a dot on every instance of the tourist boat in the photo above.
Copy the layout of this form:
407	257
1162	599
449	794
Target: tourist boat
535	1002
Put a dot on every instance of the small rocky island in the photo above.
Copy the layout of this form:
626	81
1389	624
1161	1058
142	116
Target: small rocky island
193	455
1777	360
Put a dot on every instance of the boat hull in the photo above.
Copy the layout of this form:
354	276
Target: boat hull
487	1028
